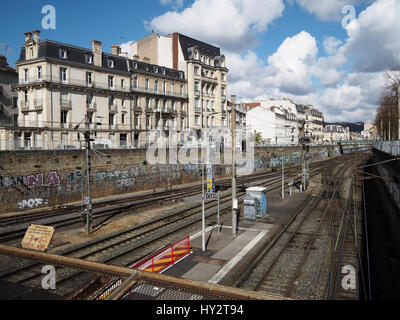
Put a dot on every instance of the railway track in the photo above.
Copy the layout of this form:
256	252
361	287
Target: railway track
128	246
12	228
292	265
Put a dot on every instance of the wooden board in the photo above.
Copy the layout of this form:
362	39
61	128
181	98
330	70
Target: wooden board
37	237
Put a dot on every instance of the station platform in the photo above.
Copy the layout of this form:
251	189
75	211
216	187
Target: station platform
225	258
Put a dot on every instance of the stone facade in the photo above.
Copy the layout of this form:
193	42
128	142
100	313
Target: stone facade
205	70
119	99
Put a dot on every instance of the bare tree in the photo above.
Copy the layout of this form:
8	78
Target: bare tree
387	114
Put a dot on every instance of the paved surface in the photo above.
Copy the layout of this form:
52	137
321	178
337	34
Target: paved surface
224	256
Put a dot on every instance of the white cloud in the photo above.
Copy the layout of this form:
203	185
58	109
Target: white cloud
327	10
232	24
373	37
331	45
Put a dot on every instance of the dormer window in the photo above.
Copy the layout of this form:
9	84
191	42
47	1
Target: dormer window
181	75
135	65
88	58
63	53
164	72
156	69
110	63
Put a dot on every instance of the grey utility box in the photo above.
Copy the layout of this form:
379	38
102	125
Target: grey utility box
258	204
251	207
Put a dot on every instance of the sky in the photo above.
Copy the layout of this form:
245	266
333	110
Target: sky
332	54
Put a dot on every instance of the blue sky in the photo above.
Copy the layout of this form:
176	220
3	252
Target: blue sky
265	37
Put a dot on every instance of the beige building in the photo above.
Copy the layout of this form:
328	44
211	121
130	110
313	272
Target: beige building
314	124
62	86
204	67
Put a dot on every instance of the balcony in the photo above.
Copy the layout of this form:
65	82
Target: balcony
91	107
138	110
66	105
113	108
24	106
38	104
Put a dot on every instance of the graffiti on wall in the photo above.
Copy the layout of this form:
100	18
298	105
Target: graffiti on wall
140	175
32	203
30	181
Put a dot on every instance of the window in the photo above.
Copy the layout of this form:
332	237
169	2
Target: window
111	100
156	69
181	75
196	86
88	78
196	103
64	115
26	97
135	82
110	63
122	83
197	120
172	87
156	85
147	84
63	54
147	103
148	124
26	75
181	90
110	82
63	75
164	86
89	98
89	58
223	76
136	101
196	70
111	119
123	118
164	72
39	73
223	91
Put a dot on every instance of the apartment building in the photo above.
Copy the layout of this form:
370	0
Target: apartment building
314	124
8	100
62	86
205	70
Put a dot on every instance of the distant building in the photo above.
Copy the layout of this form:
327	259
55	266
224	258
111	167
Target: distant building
314	124
335	133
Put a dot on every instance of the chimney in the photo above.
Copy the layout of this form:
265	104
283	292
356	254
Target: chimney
36	36
97	53
28	36
3	62
175	50
115	50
